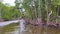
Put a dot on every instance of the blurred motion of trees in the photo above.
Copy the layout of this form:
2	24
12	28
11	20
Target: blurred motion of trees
44	9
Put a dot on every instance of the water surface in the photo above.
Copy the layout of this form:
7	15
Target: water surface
29	29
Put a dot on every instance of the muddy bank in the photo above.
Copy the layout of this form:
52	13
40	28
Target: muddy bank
46	25
39	22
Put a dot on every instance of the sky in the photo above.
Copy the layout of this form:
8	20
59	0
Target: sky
10	2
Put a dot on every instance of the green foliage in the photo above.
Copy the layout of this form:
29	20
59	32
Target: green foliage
8	13
56	2
13	12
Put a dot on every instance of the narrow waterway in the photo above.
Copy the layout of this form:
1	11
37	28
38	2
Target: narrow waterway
22	28
28	29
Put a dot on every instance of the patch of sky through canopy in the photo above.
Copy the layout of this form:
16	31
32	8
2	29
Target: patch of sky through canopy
10	2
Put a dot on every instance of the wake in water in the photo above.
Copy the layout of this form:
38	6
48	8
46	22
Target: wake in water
22	26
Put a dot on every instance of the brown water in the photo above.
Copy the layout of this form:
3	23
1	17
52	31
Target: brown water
29	29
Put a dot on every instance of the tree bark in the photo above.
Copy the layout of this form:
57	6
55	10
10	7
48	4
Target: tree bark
39	9
47	10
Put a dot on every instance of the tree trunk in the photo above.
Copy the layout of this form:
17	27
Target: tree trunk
47	10
57	14
39	18
39	9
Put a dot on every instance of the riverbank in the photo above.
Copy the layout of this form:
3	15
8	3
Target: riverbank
39	22
31	23
8	22
43	24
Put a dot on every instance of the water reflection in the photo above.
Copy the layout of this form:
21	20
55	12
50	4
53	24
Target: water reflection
29	29
22	26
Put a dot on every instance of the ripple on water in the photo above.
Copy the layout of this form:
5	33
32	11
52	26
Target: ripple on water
29	29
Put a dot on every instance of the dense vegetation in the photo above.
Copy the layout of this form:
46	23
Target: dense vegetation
46	10
8	12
